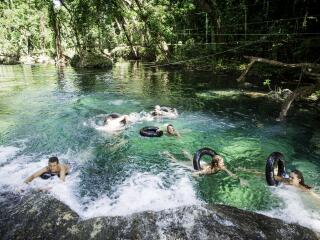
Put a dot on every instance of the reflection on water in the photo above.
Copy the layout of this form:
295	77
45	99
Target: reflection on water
48	111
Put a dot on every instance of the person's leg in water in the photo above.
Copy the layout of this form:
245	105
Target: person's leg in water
172	158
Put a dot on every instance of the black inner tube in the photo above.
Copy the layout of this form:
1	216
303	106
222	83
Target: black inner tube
198	155
275	159
165	109
47	175
113	115
151	132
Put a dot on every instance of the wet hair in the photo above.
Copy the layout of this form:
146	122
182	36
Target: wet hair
300	176
53	160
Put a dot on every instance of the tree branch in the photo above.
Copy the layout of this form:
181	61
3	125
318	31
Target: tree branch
275	63
298	93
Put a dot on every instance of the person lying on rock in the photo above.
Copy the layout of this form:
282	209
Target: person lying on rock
54	168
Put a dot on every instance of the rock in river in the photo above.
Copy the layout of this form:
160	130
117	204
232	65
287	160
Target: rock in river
40	216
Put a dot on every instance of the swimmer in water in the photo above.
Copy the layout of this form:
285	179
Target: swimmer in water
171	131
295	179
53	168
164	112
217	165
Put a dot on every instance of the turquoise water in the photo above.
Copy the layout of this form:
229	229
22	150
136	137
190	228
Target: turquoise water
46	111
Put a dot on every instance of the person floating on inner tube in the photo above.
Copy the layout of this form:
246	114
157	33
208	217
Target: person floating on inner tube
217	164
114	118
164	112
295	179
54	168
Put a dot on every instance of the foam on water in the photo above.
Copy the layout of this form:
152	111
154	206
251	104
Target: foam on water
298	207
116	126
140	192
7	153
118	102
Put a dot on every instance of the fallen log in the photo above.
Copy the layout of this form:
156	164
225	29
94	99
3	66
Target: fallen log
299	92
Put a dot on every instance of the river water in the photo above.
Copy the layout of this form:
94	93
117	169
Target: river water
45	111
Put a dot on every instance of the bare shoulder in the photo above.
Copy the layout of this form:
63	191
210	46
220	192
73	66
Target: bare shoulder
65	167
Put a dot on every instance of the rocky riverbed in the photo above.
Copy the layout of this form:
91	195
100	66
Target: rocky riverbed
40	216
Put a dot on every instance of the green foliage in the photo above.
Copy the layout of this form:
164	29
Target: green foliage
162	30
24	28
267	82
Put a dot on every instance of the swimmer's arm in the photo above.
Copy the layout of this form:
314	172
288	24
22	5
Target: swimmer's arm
282	179
36	174
199	173
229	172
315	195
63	172
242	181
169	156
206	171
253	171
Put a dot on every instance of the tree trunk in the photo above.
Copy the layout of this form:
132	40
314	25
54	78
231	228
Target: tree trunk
120	21
55	22
211	7
42	34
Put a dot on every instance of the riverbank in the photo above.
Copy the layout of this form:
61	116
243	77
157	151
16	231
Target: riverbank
40	216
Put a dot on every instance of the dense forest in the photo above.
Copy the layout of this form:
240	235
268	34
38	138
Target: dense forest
161	30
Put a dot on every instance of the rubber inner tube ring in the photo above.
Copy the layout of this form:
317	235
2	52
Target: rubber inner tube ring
275	159
47	175
199	154
113	115
151	132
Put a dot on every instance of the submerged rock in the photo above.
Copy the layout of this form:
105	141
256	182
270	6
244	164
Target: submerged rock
91	60
40	216
9	60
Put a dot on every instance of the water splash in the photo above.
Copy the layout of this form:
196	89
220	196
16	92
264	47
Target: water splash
298	207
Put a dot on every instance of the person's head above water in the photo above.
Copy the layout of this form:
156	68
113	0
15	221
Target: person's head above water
53	164
217	162
296	179
170	129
